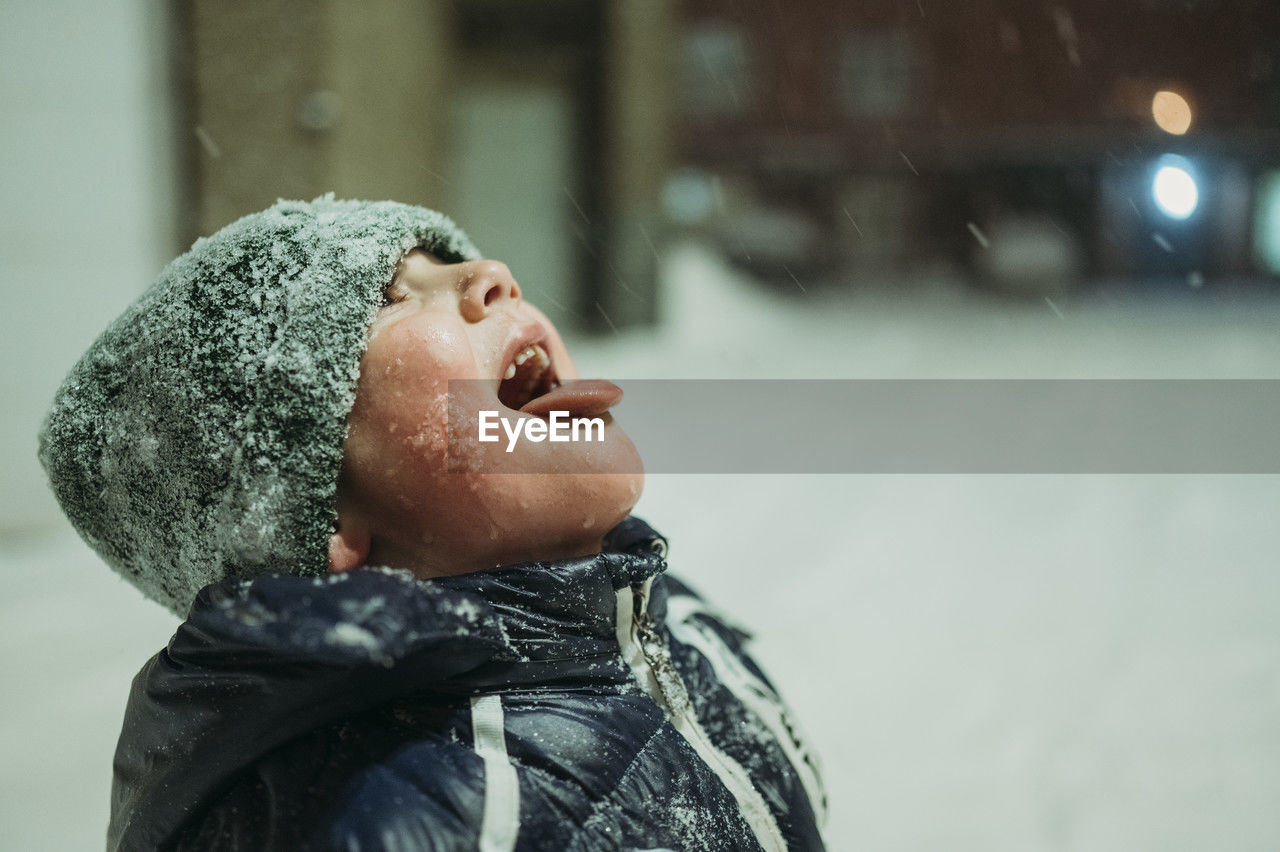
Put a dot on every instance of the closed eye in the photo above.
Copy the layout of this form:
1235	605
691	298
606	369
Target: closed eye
394	294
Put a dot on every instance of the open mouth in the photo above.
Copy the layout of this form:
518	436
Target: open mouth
529	376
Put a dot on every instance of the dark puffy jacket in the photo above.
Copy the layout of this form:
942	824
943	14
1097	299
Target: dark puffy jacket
590	704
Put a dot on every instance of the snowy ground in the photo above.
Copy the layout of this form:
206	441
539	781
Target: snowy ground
983	662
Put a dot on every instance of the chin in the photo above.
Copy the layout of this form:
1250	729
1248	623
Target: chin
620	493
590	506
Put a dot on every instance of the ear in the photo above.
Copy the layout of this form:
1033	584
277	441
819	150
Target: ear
348	546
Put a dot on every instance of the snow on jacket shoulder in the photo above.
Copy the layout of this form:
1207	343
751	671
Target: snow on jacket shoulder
590	704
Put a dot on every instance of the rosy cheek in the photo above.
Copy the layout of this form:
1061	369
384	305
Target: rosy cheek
401	403
420	360
427	438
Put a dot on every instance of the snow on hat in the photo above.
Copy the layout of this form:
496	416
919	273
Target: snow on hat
201	435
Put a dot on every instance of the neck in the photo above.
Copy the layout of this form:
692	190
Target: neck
428	562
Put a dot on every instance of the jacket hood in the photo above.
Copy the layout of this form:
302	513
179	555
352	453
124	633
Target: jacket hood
263	660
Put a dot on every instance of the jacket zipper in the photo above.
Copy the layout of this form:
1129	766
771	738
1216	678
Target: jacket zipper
658	655
650	659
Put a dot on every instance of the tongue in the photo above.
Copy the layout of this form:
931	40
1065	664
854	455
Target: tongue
581	398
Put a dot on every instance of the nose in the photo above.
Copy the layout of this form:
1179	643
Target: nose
485	285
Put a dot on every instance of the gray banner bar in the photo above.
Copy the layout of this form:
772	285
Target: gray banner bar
951	426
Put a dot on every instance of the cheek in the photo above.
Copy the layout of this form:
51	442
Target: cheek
399	423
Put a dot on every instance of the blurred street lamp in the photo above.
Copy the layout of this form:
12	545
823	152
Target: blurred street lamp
1174	188
1171	112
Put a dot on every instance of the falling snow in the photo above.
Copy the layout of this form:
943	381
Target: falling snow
1036	662
206	141
979	235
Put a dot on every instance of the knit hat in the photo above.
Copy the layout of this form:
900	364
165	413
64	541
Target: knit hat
201	435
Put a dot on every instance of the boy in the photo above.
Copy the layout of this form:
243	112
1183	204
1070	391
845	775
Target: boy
382	651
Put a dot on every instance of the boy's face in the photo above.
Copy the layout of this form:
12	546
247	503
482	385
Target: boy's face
397	496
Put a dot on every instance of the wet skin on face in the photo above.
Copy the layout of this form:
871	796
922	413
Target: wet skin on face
399	503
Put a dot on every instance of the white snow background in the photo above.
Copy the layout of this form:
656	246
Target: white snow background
982	662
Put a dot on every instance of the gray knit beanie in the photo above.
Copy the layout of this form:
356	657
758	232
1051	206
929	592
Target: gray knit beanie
201	435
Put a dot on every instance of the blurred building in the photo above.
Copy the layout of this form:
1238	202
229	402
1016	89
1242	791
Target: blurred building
1019	143
542	127
1019	140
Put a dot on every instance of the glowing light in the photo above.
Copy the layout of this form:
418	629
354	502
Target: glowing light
1171	112
1174	189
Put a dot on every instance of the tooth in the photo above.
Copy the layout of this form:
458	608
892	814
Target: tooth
523	356
511	372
